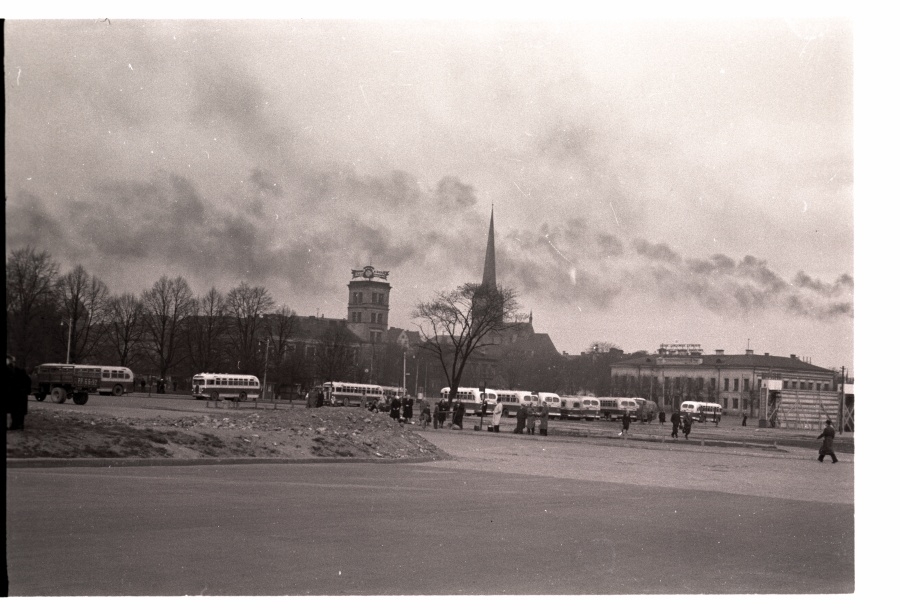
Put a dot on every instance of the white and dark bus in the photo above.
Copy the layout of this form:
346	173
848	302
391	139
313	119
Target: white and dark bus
346	394
615	408
472	398
116	380
701	411
513	400
225	386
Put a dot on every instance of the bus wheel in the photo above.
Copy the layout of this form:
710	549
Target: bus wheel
40	396
118	391
242	397
80	398
58	395
214	395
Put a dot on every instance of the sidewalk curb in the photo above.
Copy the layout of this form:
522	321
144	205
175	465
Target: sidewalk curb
139	462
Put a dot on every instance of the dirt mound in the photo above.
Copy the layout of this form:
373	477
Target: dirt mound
329	432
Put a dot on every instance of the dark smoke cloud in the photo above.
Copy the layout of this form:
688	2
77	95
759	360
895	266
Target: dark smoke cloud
659	252
454	195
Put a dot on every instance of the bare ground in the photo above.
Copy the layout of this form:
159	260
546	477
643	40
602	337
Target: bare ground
299	433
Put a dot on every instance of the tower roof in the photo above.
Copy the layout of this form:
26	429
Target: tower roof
489	279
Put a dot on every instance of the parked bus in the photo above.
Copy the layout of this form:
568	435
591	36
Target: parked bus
590	408
615	408
115	380
390	391
553	401
225	386
701	410
513	400
570	407
346	394
471	398
646	409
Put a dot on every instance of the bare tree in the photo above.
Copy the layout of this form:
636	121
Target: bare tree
602	347
246	306
206	332
280	329
84	301
167	306
30	279
336	354
126	327
457	322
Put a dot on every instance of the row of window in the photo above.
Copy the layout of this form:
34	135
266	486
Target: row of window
378	298
376	318
230	382
731	384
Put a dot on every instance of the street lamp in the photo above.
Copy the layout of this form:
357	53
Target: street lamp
69	342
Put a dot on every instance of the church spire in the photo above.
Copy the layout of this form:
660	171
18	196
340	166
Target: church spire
489	280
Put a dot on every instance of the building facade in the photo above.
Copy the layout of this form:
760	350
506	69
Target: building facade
369	304
682	372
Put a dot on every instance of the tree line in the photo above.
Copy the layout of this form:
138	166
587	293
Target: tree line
165	330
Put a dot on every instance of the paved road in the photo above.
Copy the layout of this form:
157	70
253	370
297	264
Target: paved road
514	515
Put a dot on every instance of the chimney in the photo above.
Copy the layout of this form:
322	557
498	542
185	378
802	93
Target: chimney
767	353
720	352
794	356
749	352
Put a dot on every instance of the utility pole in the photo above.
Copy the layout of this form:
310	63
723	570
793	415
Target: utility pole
266	369
69	343
405	388
841	406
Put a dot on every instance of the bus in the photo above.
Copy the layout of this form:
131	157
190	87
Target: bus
391	391
701	411
513	400
115	380
471	398
553	401
646	409
225	386
590	408
570	407
346	394
615	408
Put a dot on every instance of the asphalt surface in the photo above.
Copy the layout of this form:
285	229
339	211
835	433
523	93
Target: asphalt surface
509	515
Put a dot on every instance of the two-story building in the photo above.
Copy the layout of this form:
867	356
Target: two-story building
679	372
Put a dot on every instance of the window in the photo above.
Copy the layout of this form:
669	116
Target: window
712	383
746	384
381	298
818	386
373	318
380	318
725	387
106	374
737	385
825	386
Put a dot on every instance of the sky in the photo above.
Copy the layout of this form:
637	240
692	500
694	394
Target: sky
651	181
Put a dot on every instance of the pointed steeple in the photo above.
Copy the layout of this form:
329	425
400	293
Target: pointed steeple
489	279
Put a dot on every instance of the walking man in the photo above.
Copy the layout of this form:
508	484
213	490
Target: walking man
18	384
827	437
676	419
626	423
521	416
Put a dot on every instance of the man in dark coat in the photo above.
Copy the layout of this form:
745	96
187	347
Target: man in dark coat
408	409
521	416
626	423
18	387
459	413
676	420
395	408
827	437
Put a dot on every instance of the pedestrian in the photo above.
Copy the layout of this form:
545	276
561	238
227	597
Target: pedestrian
408	409
143	385
545	418
425	414
459	412
529	422
498	415
395	409
676	420
717	418
320	399
662	417
18	386
687	422
443	407
626	423
744	421
827	437
521	417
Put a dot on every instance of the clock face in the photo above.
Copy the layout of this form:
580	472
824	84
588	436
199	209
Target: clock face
368	272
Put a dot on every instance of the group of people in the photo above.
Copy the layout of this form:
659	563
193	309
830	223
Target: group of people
683	423
528	415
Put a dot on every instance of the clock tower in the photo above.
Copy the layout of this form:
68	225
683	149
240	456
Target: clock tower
369	304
